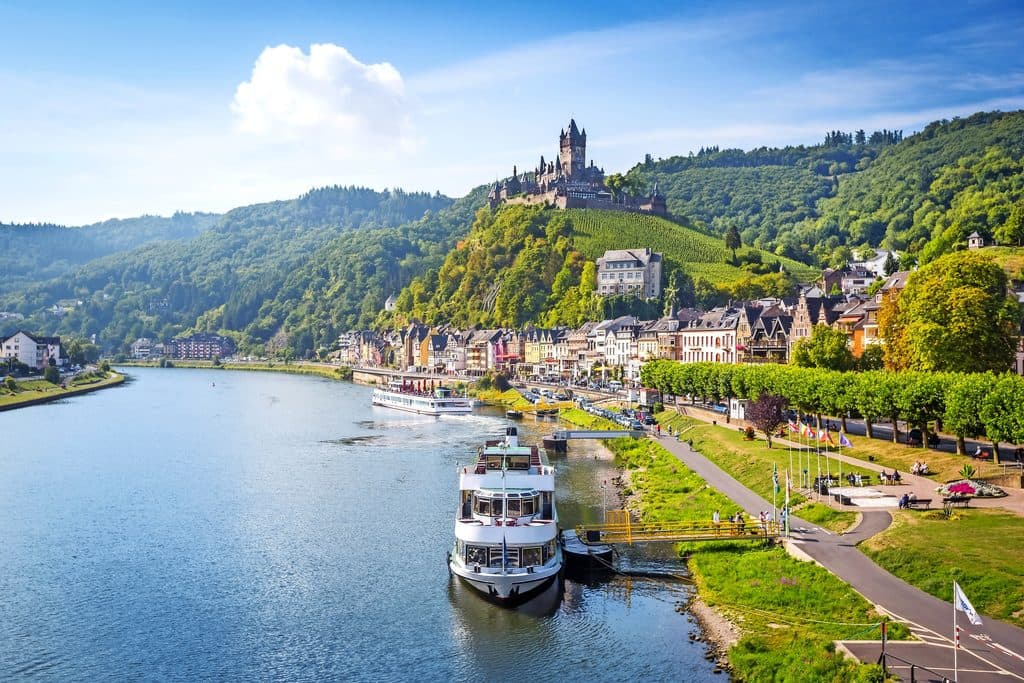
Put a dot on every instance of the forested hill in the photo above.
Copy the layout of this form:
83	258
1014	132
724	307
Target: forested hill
221	279
819	203
32	253
529	264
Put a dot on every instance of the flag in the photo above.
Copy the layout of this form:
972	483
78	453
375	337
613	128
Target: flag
961	603
823	436
792	427
775	477
811	434
843	441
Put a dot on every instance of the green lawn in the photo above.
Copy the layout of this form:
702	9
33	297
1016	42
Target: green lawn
944	466
750	463
30	390
982	550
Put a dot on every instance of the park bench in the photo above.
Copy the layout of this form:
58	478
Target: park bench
962	501
920	503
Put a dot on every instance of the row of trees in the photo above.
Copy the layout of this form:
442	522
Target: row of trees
966	404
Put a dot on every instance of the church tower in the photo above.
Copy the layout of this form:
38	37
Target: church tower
572	150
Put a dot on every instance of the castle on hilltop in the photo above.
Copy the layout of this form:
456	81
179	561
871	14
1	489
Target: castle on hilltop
568	183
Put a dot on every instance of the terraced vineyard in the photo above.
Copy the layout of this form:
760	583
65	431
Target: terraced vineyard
699	254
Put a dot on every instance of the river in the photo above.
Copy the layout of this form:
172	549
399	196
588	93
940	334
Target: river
202	524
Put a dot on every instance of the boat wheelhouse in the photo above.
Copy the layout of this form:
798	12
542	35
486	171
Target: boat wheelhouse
417	397
506	526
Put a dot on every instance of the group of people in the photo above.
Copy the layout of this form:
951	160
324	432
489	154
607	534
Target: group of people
906	499
893	478
919	468
739	521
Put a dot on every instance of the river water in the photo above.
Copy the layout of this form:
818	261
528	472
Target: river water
206	525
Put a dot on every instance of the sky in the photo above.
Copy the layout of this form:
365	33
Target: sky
113	110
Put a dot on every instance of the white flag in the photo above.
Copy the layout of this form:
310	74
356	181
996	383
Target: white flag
961	603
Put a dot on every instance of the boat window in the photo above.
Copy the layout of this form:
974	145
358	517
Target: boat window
519	462
532	556
514	508
529	506
496	506
476	554
483	506
512	557
494	462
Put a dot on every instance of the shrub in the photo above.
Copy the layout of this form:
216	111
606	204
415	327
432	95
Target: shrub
10	383
51	374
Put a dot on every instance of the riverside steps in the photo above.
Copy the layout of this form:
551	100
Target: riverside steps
620	528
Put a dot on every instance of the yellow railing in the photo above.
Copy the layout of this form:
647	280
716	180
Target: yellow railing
619	528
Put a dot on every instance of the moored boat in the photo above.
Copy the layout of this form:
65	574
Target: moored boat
416	397
506	526
514	414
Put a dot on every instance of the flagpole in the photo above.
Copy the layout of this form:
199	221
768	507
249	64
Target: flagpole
956	636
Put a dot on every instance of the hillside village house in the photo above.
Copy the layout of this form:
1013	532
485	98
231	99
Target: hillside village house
32	350
202	346
629	271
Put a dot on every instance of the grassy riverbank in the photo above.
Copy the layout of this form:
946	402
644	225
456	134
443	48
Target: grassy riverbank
751	462
788	612
318	369
33	391
982	550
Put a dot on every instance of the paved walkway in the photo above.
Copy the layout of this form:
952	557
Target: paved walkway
994	646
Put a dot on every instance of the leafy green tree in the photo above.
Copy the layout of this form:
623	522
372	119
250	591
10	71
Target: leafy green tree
892	264
965	394
956	314
51	374
1000	411
733	240
872	358
1012	231
10	384
825	348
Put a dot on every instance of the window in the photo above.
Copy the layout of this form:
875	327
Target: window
532	556
514	508
476	554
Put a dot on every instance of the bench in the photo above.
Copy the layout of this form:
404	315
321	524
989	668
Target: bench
962	501
920	503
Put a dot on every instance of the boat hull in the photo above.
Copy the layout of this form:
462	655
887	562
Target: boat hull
507	590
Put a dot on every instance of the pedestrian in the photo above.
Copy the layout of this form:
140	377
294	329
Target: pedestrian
657	430
716	520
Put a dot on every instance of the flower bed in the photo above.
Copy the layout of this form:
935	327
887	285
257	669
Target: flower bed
970	487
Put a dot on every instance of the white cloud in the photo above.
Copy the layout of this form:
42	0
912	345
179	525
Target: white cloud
327	98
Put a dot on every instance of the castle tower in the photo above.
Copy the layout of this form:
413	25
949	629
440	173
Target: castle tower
572	150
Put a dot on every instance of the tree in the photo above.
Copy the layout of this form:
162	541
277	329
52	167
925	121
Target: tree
11	384
872	358
964	395
1000	411
679	293
51	374
733	240
956	314
825	348
892	264
767	413
1012	231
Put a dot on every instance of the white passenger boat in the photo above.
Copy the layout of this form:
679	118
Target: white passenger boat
415	398
506	527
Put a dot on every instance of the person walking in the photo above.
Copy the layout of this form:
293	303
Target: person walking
716	519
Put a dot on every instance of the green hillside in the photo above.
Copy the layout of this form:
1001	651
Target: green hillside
533	264
223	279
699	254
33	253
922	194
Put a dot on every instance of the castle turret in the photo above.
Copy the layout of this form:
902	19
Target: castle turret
572	150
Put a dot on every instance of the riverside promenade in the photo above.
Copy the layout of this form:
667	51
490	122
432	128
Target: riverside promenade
991	652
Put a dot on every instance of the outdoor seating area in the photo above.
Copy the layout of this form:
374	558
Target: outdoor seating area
957	501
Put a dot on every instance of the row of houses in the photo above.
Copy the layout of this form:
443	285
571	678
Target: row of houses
751	332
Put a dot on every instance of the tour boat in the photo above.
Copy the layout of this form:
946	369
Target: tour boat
416	397
506	527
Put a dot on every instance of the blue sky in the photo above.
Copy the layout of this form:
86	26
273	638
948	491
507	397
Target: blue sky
115	110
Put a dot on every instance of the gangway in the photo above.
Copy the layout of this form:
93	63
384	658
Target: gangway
620	528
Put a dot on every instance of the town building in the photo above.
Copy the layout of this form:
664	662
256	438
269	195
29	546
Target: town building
142	348
202	346
31	350
629	271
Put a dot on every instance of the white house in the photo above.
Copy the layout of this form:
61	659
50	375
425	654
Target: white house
35	352
712	337
629	271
